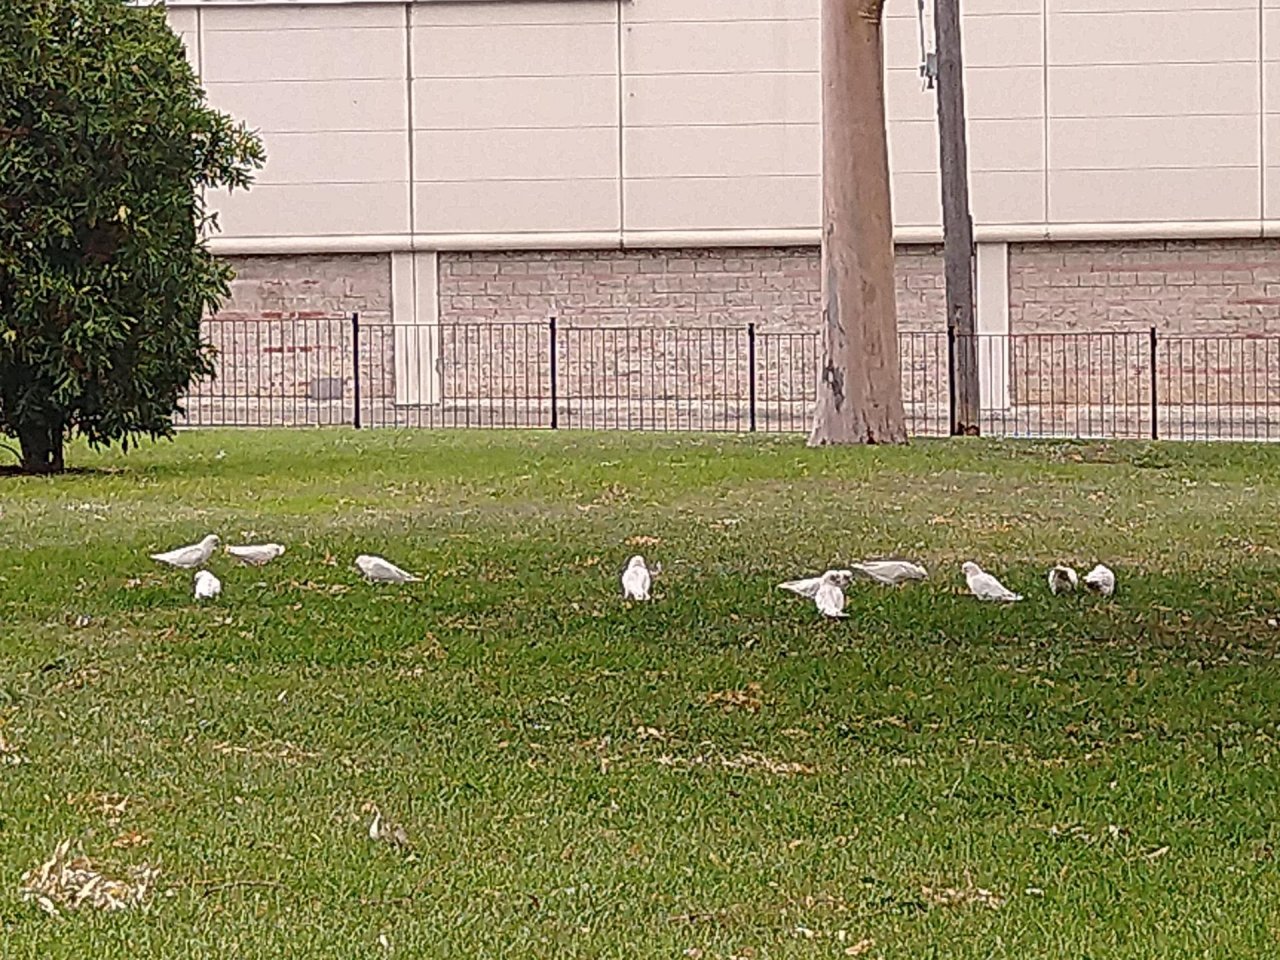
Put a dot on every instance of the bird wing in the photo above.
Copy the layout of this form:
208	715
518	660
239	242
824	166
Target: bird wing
829	599
807	587
890	571
988	587
875	570
181	557
255	553
392	572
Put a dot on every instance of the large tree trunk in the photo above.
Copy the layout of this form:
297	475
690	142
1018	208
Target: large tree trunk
42	448
860	383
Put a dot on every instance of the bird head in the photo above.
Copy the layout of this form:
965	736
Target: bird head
211	541
970	568
838	577
636	561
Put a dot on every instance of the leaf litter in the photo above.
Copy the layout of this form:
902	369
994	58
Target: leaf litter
750	698
69	881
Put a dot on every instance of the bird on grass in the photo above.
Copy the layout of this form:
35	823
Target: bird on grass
826	591
378	570
189	557
207	586
890	572
636	580
256	554
1101	580
986	587
384	831
1062	579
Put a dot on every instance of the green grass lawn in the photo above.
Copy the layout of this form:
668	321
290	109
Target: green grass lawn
718	774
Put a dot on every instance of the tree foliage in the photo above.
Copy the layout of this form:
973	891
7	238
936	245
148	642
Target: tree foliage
107	146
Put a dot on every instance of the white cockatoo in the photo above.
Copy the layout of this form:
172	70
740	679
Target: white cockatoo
383	830
636	579
378	570
986	587
207	586
190	557
256	554
891	572
826	591
1063	579
1101	580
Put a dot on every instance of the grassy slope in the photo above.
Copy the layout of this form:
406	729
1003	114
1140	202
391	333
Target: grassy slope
497	710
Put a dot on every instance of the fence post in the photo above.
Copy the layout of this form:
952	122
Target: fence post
555	370
355	366
953	428
751	372
1155	396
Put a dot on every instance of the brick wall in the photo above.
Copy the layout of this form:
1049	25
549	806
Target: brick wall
655	293
1190	291
280	348
283	341
1218	287
776	288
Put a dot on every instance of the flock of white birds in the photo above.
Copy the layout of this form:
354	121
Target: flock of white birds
207	586
826	590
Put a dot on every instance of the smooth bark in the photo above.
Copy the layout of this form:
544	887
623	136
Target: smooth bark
860	380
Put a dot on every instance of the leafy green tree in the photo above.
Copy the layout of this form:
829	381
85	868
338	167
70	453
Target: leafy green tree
107	146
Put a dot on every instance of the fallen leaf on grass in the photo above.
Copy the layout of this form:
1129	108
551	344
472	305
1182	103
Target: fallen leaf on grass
859	948
750	699
643	541
68	881
743	761
10	755
968	895
332	589
130	838
284	751
109	805
133	583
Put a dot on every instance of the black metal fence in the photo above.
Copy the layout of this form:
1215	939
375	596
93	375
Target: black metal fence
318	370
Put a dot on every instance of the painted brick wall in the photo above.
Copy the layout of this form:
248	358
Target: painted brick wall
279	347
663	291
284	345
1216	287
775	288
1192	292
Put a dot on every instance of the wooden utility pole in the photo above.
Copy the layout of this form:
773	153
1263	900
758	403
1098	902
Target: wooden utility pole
957	220
860	383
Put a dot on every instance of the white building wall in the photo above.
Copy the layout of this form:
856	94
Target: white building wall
456	124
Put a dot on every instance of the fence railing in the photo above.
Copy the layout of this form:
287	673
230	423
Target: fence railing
297	370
